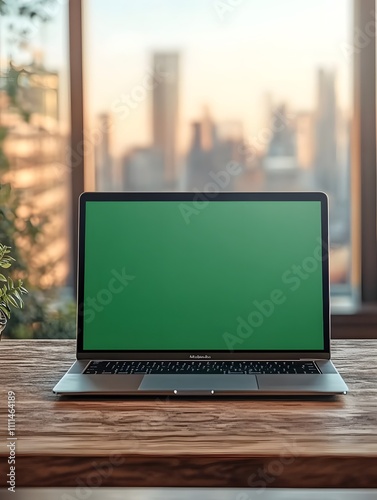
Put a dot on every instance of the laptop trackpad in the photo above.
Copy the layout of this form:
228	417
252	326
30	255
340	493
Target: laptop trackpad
195	382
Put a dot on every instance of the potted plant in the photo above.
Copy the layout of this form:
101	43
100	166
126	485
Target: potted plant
10	293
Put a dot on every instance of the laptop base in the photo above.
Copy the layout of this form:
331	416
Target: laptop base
75	383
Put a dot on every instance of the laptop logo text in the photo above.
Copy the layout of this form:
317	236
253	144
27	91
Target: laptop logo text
199	356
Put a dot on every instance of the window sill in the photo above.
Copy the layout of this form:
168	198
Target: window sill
356	323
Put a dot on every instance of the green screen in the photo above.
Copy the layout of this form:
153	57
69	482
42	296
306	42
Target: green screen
226	275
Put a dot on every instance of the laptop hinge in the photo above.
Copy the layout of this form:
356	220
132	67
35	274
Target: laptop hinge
312	359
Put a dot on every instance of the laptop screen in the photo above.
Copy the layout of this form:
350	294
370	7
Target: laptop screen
202	276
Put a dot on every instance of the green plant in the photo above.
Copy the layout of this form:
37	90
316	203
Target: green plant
10	293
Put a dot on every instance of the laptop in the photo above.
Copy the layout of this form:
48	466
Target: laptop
203	294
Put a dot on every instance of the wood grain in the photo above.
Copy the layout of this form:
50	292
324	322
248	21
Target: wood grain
187	442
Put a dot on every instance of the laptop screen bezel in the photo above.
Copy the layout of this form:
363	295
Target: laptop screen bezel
203	197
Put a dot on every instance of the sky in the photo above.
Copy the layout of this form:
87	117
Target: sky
233	55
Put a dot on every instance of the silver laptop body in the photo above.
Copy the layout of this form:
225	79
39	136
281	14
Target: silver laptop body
203	294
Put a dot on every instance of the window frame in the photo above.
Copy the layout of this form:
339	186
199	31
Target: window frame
363	174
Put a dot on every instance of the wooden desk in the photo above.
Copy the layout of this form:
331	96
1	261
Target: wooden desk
219	443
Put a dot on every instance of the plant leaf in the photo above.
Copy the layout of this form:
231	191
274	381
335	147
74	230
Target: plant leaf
5	310
12	301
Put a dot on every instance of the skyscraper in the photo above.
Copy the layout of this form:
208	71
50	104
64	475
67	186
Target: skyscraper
142	170
103	160
198	160
305	140
326	168
165	109
281	150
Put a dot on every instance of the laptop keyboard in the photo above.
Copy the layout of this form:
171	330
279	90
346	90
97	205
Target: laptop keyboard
200	367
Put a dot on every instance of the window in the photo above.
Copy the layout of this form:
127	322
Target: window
35	173
174	91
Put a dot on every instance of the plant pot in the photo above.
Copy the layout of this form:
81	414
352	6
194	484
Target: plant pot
3	322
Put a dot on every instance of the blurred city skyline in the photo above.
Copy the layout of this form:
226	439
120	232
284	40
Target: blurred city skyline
230	64
316	138
243	41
